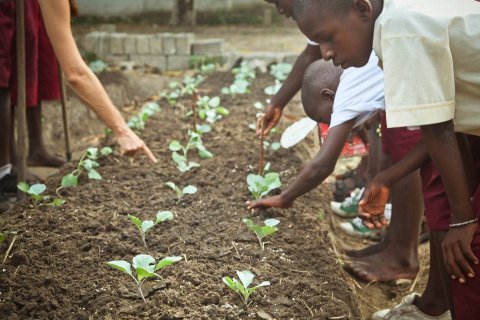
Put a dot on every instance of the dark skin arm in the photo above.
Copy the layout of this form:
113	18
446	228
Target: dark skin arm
445	153
313	173
290	87
376	194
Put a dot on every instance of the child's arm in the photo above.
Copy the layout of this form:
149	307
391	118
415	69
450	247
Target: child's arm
313	173
443	148
290	87
375	197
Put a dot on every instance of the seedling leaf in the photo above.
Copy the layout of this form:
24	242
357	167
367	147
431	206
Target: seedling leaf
57	202
164	216
246	277
106	151
147	225
37	189
271	222
167	261
175	146
121	265
190	189
23	186
136	221
143	273
144	261
69	180
94	175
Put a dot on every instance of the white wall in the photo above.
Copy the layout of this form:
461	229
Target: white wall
107	8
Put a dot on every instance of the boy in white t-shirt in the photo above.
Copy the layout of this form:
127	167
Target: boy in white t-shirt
430	53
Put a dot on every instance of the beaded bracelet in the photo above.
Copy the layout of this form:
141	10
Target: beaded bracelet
461	224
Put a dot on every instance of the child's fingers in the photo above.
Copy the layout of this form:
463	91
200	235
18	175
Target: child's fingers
462	263
468	253
452	265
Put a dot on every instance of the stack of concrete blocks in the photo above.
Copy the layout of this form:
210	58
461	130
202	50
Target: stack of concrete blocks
165	51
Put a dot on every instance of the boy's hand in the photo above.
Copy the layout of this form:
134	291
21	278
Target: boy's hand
372	205
457	252
270	119
132	145
272	202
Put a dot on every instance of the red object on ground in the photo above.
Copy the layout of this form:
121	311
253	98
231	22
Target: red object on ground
353	148
41	64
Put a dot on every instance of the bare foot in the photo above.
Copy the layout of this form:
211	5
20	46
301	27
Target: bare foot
44	160
368	251
383	266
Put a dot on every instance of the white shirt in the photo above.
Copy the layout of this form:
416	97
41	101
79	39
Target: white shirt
430	51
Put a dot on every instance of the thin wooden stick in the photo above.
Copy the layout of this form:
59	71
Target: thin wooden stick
66	132
21	96
9	248
261	162
306	305
194	107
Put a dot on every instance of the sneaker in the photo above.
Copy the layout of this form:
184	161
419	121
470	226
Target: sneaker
4	202
8	184
406	310
356	228
349	207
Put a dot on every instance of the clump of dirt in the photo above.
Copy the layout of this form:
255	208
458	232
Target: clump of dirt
57	268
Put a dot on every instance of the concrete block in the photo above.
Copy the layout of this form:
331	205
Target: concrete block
208	47
168	43
130	44
91	40
143	44
115	59
156	44
178	62
116	43
183	43
154	61
103	44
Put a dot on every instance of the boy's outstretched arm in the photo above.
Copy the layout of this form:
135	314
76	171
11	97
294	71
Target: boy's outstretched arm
442	146
313	173
290	87
375	197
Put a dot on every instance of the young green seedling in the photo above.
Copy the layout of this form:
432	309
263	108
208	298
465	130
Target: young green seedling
35	192
243	75
137	122
181	160
261	232
210	109
181	192
281	70
242	287
147	225
88	162
145	268
260	186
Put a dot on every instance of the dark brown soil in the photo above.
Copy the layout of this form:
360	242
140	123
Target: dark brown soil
57	267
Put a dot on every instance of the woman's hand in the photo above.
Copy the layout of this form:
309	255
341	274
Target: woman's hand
132	145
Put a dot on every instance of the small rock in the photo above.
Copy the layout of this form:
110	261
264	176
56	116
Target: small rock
263	315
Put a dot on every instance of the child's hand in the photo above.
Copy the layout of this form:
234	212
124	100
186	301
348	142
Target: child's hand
272	202
457	252
132	145
372	206
270	119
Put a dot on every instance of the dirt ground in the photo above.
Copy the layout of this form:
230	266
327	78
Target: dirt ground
57	269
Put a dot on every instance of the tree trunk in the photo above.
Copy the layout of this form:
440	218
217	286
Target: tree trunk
183	13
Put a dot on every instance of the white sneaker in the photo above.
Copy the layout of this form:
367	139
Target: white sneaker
406	310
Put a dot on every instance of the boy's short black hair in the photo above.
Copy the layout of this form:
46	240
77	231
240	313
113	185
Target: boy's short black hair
319	75
336	7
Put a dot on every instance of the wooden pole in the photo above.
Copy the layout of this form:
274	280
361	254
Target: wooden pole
66	132
21	95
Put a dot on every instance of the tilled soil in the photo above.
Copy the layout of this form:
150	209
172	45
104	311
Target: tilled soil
57	266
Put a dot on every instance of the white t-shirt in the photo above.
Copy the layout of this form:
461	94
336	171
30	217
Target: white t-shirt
430	51
360	93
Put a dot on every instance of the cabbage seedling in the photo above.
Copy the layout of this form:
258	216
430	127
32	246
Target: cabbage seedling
210	109
181	160
35	192
261	232
137	122
145	268
147	225
281	70
260	186
181	192
88	162
242	287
